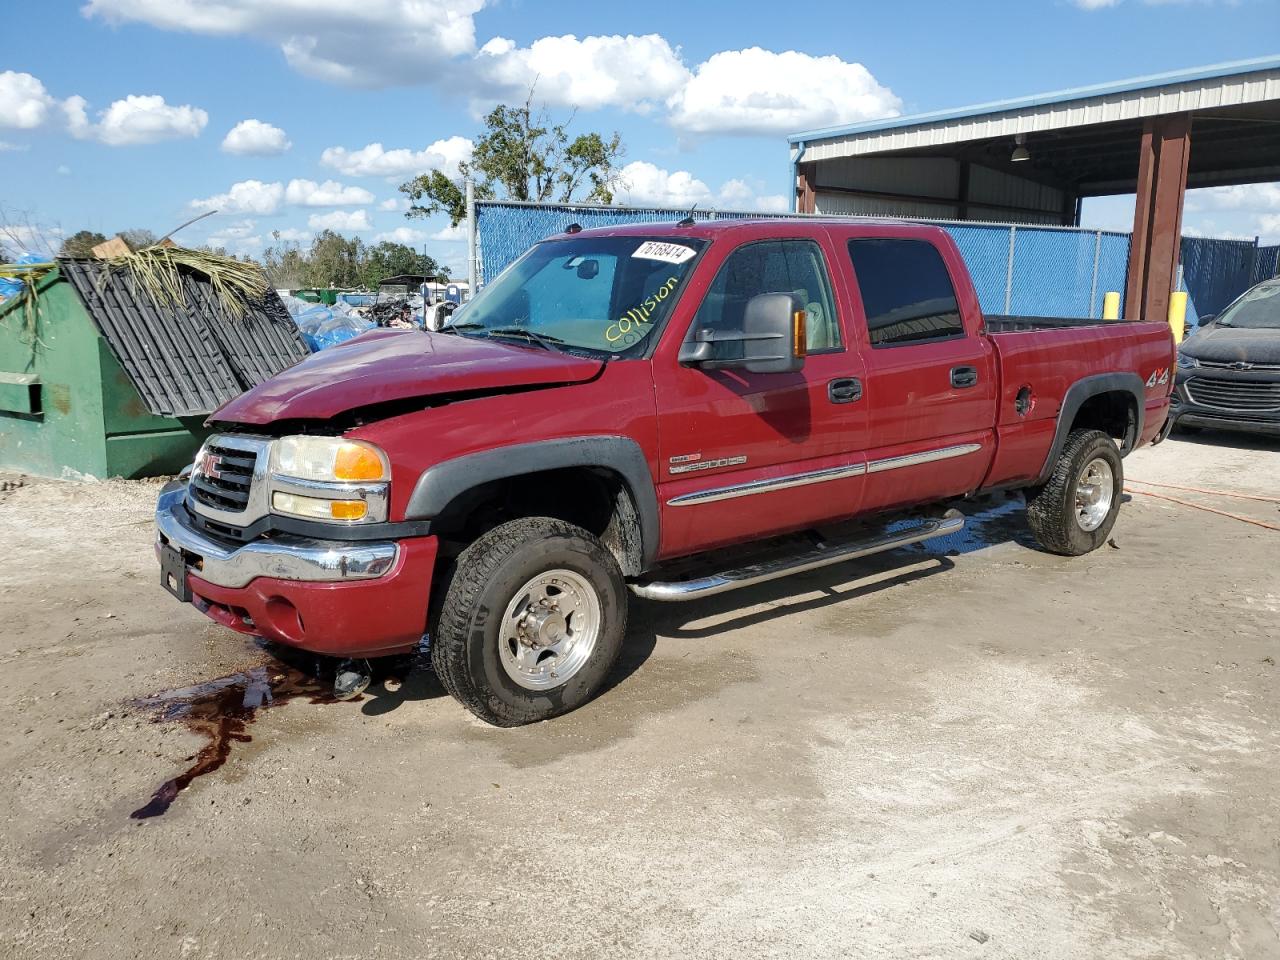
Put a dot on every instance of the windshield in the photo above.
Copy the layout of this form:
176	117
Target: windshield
603	294
1258	309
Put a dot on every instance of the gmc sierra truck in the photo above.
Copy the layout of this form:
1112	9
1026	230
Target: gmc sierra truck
622	402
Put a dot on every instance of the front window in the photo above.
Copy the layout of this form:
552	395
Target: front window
599	294
1259	309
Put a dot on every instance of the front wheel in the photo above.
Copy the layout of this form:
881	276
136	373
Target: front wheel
1073	513
532	622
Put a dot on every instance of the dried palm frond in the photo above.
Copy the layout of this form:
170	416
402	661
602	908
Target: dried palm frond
157	270
30	274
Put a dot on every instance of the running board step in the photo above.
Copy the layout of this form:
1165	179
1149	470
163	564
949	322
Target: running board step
821	556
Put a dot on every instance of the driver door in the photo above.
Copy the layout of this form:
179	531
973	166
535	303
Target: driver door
745	455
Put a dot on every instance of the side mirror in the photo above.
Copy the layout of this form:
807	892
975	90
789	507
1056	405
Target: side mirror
773	338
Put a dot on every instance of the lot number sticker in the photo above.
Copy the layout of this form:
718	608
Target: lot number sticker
666	252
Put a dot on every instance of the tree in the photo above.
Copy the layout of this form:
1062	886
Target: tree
389	259
333	260
81	243
522	155
138	237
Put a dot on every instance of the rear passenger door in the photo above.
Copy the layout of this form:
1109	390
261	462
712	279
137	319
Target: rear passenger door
930	382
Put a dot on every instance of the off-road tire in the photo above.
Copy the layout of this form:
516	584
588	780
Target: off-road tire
1051	510
464	649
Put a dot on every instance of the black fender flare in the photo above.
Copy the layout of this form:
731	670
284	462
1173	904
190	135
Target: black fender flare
440	484
1075	397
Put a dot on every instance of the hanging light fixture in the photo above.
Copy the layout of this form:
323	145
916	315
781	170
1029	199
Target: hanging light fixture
1020	151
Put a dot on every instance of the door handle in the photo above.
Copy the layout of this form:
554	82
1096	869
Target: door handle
964	376
844	390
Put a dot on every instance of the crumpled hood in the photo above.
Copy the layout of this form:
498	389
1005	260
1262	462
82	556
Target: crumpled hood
388	365
1228	344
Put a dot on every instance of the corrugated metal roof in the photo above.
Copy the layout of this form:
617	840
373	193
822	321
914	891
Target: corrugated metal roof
1226	84
185	361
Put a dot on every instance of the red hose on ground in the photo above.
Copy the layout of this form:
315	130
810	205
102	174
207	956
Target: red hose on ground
1201	506
1219	493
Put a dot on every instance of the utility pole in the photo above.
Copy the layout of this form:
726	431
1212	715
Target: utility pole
472	265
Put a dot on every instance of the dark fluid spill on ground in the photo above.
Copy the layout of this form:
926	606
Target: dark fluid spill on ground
221	710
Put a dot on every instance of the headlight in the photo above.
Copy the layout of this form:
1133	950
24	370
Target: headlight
1186	362
329	479
329	459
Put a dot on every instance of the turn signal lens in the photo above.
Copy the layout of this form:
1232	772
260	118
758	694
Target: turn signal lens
317	508
355	461
348	509
800	335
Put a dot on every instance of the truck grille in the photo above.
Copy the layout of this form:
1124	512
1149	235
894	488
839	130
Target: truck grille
223	477
1243	395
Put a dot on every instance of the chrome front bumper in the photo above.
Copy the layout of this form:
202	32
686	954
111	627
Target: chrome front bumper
282	557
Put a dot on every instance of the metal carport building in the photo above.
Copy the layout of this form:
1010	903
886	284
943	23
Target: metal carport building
1034	159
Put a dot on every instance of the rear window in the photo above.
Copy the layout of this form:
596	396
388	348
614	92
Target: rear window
907	294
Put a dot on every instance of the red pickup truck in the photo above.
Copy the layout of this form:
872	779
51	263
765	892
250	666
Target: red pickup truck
620	400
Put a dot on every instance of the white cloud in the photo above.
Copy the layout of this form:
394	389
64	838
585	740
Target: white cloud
370	43
448	234
406	235
134	120
256	197
30	238
254	138
247	196
374	161
1094	4
291	235
1250	196
394	203
340	220
6	147
757	91
63	170
24	102
631	72
331	193
643	183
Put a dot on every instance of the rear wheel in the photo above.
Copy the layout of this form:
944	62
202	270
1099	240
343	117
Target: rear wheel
532	622
1073	513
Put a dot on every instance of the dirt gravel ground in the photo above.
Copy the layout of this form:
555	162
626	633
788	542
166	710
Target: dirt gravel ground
971	750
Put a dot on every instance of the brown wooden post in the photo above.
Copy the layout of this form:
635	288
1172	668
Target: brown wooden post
1154	251
806	196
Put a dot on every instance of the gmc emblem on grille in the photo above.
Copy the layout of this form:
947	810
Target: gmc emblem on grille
208	465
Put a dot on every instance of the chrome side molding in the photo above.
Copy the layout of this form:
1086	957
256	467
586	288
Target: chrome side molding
767	486
925	456
714	494
810	559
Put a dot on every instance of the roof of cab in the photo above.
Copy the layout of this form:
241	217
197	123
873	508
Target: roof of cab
710	229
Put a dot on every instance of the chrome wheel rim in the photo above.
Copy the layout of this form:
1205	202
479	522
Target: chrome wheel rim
549	630
1094	492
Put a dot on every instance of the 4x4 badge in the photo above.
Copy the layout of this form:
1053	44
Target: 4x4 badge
1158	377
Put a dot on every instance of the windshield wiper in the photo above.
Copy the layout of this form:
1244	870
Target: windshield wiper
544	340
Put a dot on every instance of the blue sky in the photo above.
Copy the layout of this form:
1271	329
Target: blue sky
115	113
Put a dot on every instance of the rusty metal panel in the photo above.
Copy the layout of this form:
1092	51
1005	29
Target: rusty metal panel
185	360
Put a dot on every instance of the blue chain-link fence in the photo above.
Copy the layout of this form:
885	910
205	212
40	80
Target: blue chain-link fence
1022	270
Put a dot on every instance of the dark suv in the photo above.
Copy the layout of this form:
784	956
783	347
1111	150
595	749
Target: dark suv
1229	370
